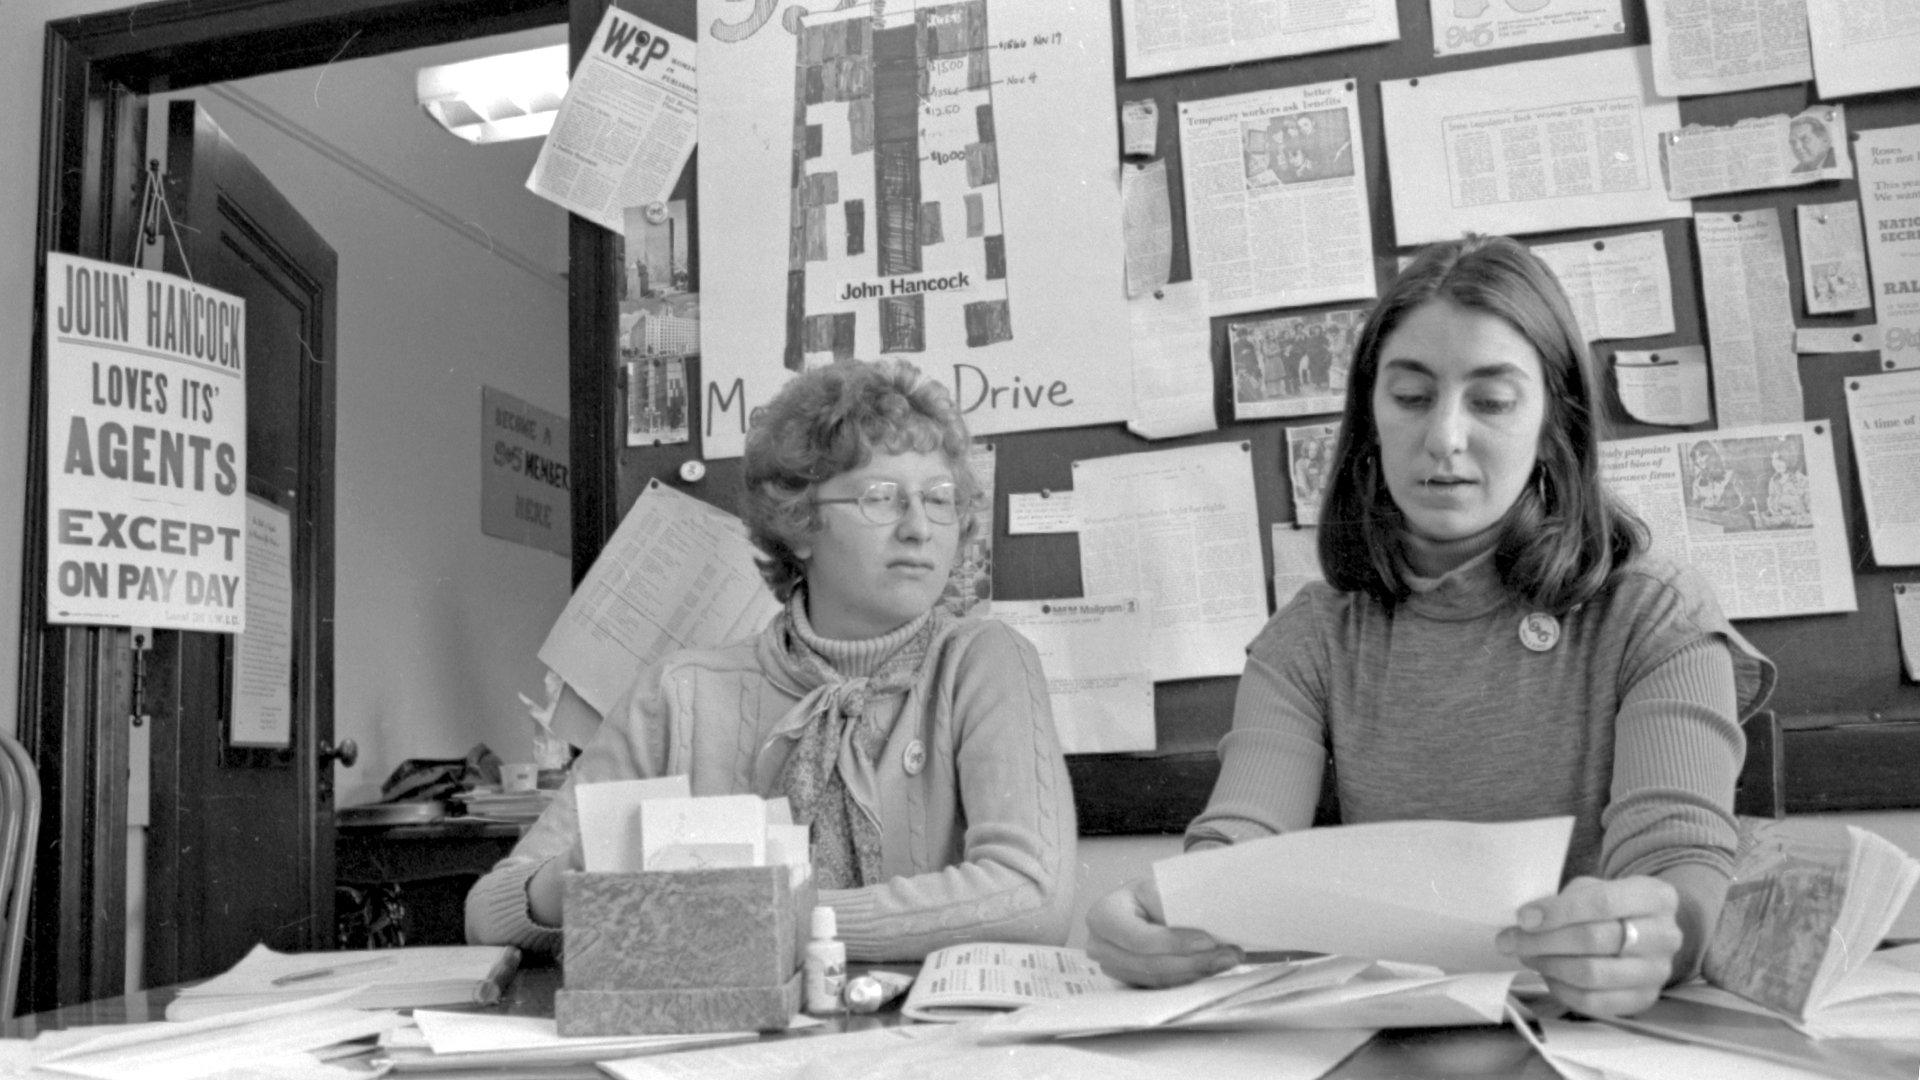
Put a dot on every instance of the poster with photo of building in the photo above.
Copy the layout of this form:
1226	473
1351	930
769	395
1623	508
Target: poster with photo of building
659	322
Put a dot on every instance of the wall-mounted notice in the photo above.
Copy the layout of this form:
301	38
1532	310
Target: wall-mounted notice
879	188
1883	415
262	676
1620	286
1276	192
1667	387
1531	147
1743	276
1758	152
1727	45
1756	510
1292	365
1163	37
1861	46
1094	651
146	449
1833	260
524	485
626	126
1471	26
1890	200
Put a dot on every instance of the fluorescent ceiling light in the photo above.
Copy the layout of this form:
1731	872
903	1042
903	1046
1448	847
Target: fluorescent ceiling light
497	98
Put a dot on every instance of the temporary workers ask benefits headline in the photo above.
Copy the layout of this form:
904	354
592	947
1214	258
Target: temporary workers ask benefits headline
146	449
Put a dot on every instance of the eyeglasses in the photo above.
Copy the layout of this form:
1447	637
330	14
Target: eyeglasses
884	502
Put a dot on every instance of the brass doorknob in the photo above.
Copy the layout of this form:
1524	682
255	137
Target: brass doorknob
346	753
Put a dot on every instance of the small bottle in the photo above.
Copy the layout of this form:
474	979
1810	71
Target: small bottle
826	972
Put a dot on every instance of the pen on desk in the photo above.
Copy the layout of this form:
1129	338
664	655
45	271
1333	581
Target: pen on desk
335	969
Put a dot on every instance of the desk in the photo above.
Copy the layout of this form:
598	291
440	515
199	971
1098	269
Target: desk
1393	1055
428	867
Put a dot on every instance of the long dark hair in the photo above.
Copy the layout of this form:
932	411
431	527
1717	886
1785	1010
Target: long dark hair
1565	535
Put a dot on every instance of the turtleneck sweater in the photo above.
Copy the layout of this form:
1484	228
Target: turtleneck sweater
1629	720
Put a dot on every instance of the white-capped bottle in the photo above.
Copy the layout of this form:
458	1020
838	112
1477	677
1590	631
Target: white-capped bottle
826	970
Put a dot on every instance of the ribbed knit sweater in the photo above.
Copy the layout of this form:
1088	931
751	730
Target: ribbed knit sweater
1629	721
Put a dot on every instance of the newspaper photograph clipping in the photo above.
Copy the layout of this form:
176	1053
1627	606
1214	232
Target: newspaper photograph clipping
1538	146
1890	198
1759	152
1162	37
1276	195
1884	416
1756	510
1293	365
1471	26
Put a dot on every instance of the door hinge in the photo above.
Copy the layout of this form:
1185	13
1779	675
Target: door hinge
142	638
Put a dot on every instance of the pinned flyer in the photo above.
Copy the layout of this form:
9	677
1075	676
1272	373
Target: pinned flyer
1619	286
1172	362
1666	387
1759	152
627	125
1906	607
1094	651
1833	258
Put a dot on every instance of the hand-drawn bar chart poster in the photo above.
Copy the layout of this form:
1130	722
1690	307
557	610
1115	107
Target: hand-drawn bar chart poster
942	178
146	449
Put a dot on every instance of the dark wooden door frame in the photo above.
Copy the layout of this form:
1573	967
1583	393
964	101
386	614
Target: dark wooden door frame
75	682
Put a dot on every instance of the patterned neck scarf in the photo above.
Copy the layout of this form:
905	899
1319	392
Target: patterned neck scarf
848	719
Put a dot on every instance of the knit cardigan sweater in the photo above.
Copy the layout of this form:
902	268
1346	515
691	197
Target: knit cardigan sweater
1629	720
970	791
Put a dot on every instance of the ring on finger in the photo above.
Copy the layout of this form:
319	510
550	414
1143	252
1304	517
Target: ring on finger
1629	937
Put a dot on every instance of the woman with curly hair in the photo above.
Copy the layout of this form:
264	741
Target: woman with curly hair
918	745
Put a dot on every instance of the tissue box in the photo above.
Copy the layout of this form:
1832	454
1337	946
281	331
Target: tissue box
682	951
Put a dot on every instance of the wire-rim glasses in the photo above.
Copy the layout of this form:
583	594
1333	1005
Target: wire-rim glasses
884	502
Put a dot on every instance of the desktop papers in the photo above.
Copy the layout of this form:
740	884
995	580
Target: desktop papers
1530	147
1162	37
1425	892
1727	45
627	125
1667	387
1860	46
1890	199
1743	274
1276	195
1094	651
1178	528
1756	510
1471	26
1883	415
1619	286
677	573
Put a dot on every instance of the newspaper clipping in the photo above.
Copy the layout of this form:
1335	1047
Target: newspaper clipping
1863	46
1471	26
1620	286
1310	465
1756	510
1759	152
1833	258
1890	199
1163	37
1727	45
1884	415
1294	365
1276	193
1743	274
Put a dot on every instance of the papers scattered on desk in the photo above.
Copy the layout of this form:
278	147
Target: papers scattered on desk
447	1042
261	1037
1424	892
366	979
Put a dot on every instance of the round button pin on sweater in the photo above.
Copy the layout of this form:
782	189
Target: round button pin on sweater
1539	631
915	758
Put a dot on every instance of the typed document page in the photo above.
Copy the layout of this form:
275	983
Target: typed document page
1883	413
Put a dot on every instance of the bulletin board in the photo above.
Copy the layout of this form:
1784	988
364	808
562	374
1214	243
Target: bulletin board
1851	717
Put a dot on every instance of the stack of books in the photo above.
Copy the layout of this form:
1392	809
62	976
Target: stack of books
514	807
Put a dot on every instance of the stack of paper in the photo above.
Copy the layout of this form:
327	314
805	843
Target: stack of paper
656	824
279	1039
365	979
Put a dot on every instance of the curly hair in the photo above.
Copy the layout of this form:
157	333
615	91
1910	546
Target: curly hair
831	420
1565	535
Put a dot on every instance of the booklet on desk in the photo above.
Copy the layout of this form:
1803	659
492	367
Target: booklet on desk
379	978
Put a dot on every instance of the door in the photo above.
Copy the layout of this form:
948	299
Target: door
240	846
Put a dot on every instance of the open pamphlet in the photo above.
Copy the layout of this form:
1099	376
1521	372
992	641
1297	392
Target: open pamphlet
1809	903
964	981
422	975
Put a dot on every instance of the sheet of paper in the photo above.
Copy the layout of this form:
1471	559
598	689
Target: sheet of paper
1426	892
1756	510
1890	200
1140	127
1179	529
1743	276
1247	1055
1538	146
1727	45
1883	415
1838	339
1292	365
1030	512
262	671
1310	449
1162	37
1094	651
1473	26
703	833
1276	197
1172	362
1149	226
1758	152
1667	386
1620	285
1602	1052
609	815
473	1033
179	1050
626	126
1833	257
776	1057
1862	46
1296	561
677	573
1006	143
